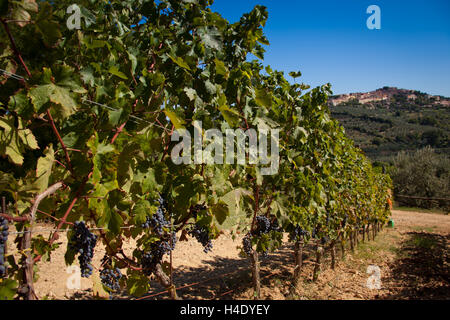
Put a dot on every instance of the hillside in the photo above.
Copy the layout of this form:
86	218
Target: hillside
388	120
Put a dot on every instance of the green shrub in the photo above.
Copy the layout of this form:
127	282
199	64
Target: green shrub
423	173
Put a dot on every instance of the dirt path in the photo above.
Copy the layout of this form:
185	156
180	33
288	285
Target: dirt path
412	257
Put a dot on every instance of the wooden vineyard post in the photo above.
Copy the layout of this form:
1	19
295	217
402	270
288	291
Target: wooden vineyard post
352	243
255	273
342	247
164	280
333	254
254	254
317	267
298	252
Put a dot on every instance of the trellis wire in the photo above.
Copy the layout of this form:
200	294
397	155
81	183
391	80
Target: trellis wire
133	118
12	75
17	77
194	284
61	230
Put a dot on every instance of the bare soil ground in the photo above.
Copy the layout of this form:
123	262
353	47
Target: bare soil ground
413	258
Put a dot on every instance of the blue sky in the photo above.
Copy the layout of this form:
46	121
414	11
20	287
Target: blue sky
328	41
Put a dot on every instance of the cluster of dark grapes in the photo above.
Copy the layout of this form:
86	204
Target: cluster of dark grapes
201	233
298	233
264	225
110	277
152	258
157	250
169	241
157	222
314	233
83	242
149	261
4	227
247	244
324	240
275	226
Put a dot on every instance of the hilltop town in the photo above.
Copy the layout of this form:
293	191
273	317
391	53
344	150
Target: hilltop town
386	94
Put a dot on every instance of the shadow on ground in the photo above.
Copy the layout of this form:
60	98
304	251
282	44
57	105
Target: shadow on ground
225	278
220	278
422	269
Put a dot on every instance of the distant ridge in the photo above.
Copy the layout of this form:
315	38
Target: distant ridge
386	94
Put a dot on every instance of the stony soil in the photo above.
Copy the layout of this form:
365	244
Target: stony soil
413	258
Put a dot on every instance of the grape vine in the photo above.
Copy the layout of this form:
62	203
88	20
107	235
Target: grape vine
94	110
109	276
154	256
157	221
201	233
83	242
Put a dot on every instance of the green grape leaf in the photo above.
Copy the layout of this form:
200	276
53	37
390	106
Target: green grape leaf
48	28
8	289
141	211
221	69
263	98
220	212
137	284
20	11
180	62
231	116
44	169
115	71
177	121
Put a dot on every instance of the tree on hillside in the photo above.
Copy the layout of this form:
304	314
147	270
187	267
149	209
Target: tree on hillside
423	173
